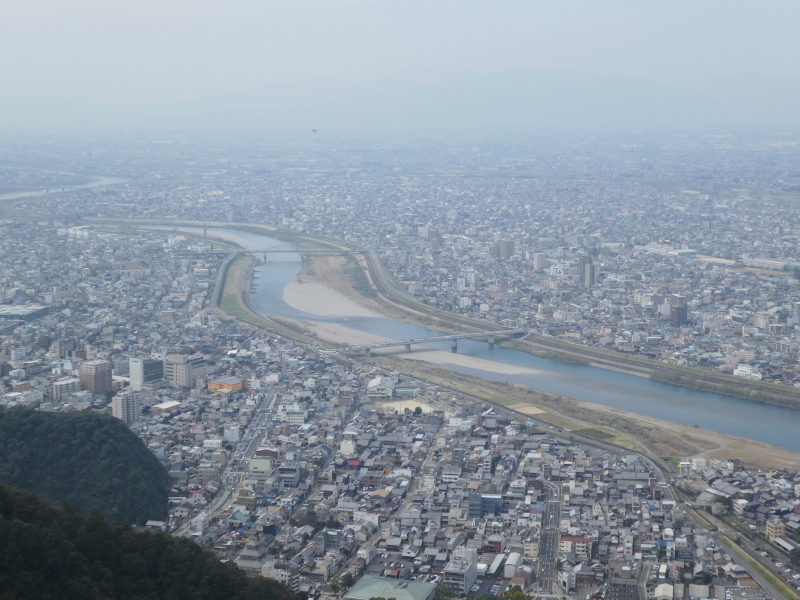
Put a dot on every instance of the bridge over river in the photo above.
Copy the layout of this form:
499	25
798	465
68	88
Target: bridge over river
491	335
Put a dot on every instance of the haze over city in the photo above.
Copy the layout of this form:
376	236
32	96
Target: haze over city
371	300
379	65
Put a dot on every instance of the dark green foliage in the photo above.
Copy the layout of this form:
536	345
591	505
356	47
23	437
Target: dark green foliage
52	554
90	460
794	556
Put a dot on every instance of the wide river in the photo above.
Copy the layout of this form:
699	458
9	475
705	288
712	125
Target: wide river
775	425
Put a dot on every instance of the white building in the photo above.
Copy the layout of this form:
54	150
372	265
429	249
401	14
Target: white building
127	406
462	571
232	433
746	371
380	388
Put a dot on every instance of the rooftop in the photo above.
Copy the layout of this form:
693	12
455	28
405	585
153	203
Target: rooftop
379	587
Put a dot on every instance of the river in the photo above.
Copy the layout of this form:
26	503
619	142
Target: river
775	425
99	181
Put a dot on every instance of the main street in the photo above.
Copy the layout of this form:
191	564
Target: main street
232	474
548	542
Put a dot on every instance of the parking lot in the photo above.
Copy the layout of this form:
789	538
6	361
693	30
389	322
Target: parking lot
489	585
393	560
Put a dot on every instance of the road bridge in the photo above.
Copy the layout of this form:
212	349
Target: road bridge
439	338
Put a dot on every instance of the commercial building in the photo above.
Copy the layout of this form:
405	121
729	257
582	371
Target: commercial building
289	474
96	376
462	571
145	370
26	312
481	505
260	468
370	586
230	384
183	370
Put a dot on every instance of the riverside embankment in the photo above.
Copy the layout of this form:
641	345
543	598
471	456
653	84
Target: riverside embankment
598	388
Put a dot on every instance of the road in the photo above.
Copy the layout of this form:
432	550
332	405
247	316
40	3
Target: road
231	477
749	548
548	541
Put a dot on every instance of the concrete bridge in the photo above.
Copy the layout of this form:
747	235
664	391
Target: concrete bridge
491	335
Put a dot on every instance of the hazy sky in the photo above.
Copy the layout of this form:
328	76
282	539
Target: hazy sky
128	54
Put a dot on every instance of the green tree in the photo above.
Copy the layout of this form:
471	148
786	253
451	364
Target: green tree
794	556
48	552
347	580
516	593
442	592
90	460
726	501
418	410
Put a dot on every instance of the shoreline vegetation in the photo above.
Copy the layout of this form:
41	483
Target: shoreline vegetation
604	424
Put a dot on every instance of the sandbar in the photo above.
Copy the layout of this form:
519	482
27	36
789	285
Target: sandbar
318	299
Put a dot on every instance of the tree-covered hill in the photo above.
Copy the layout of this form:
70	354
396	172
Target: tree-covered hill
87	459
58	554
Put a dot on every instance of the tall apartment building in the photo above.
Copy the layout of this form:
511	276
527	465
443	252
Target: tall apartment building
503	249
96	376
586	271
127	406
183	370
678	310
145	370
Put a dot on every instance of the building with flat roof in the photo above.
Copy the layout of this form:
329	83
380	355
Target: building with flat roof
775	529
27	312
64	387
126	406
231	384
182	370
380	388
145	370
462	571
96	376
370	586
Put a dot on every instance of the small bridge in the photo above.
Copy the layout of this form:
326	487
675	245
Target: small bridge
440	338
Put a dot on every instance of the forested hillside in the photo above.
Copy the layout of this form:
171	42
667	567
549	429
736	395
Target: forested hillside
87	459
48	553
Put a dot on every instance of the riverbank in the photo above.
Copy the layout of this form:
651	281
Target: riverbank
641	433
637	432
385	300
